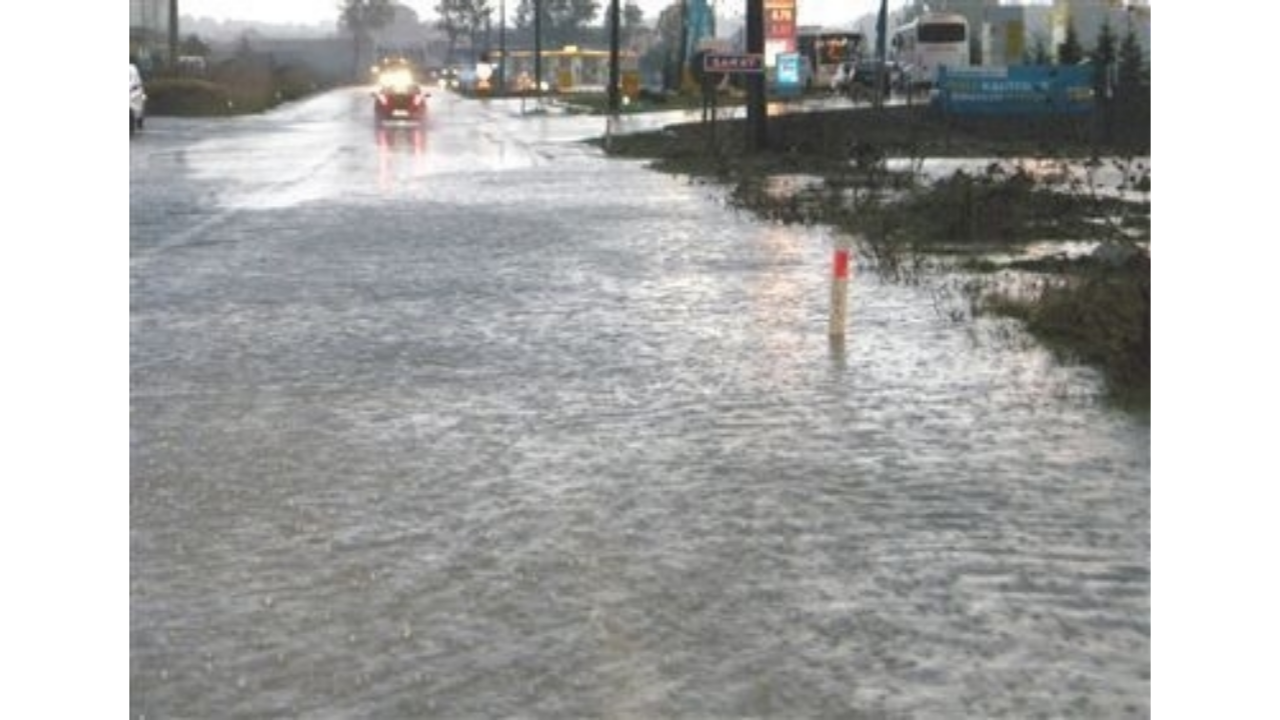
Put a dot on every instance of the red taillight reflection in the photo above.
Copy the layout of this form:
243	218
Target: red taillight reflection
394	143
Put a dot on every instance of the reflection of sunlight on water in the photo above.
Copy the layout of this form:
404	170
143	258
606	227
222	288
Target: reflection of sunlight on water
782	186
777	297
271	171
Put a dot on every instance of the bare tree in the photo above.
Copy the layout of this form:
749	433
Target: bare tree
463	17
632	14
563	20
361	18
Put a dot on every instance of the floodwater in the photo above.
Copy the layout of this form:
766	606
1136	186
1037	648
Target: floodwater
1124	178
465	420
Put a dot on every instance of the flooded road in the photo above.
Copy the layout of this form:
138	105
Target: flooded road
467	421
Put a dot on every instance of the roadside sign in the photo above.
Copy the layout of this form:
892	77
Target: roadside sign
733	62
786	80
1016	90
631	84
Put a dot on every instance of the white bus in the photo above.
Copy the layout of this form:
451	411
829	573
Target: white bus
928	42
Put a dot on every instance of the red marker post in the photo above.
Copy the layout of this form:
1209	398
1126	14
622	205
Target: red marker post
839	292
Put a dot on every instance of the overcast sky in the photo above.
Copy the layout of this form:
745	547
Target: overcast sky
810	12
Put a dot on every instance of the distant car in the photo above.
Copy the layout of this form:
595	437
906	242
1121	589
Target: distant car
137	100
866	73
399	96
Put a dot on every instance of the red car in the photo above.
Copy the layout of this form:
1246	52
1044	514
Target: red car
399	96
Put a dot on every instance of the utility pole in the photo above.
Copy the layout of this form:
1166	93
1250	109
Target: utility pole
502	47
757	131
681	59
882	52
615	19
537	49
173	35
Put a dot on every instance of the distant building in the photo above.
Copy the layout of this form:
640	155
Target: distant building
1088	17
1009	33
1014	32
974	11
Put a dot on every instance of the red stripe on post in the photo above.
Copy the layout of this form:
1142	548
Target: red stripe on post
841	265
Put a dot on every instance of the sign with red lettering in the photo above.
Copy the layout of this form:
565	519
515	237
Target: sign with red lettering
780	24
733	63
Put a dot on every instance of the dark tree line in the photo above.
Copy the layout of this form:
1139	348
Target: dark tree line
1121	80
361	18
465	18
563	21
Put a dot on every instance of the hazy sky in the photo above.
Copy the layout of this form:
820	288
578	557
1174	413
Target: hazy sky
810	12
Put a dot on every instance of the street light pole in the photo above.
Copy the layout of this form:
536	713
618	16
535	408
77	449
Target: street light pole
173	35
882	52
757	131
684	43
615	17
502	46
537	48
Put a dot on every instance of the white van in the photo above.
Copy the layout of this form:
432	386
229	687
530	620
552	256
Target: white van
137	100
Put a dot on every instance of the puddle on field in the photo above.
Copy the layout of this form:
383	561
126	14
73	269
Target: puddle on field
1122	178
806	197
789	185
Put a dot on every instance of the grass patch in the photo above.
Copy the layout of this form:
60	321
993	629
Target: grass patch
190	97
1002	207
234	87
647	101
1098	314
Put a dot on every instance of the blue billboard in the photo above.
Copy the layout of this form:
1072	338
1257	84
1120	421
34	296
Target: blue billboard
1016	90
787	80
699	23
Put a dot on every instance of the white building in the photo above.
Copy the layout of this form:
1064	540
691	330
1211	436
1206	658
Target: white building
1010	33
1088	17
1013	33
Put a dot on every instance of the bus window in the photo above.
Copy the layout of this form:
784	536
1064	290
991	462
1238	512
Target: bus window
942	33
